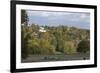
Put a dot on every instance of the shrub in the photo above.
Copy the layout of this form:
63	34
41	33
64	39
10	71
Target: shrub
83	46
69	47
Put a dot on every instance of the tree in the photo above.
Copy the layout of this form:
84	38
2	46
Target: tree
24	17
40	46
83	46
33	46
46	47
69	47
59	39
24	34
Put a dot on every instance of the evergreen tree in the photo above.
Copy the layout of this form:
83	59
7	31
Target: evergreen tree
24	17
24	34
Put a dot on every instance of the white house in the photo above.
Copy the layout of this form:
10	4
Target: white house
42	29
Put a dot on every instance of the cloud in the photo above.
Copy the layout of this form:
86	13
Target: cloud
77	17
47	13
83	16
55	18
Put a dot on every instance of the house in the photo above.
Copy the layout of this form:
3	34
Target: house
42	29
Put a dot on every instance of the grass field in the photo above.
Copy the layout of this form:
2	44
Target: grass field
47	58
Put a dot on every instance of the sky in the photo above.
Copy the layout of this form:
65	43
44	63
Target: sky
52	18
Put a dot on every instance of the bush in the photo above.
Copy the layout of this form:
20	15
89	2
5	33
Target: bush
69	48
40	46
46	47
83	46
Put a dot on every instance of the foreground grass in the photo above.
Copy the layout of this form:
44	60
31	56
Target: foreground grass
57	57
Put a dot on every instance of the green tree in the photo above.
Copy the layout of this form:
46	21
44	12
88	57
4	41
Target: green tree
83	46
59	39
24	17
33	46
24	34
69	47
46	47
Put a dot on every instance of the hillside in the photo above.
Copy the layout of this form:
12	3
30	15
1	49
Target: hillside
46	40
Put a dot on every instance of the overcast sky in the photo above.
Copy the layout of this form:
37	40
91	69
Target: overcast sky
51	18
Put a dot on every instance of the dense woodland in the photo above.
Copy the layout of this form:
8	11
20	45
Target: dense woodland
55	40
